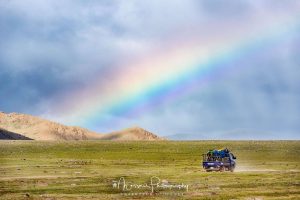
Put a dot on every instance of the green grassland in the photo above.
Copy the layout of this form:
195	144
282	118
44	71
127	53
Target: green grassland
87	169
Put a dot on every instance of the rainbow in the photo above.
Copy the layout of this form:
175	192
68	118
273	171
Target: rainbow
168	74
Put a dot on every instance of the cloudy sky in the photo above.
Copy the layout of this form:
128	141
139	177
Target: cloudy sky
62	59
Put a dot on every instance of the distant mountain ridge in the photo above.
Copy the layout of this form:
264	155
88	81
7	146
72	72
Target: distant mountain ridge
22	126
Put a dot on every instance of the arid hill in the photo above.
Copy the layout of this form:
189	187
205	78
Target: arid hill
134	133
41	129
21	126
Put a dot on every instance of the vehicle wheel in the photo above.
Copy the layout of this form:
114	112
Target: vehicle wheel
222	169
232	169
